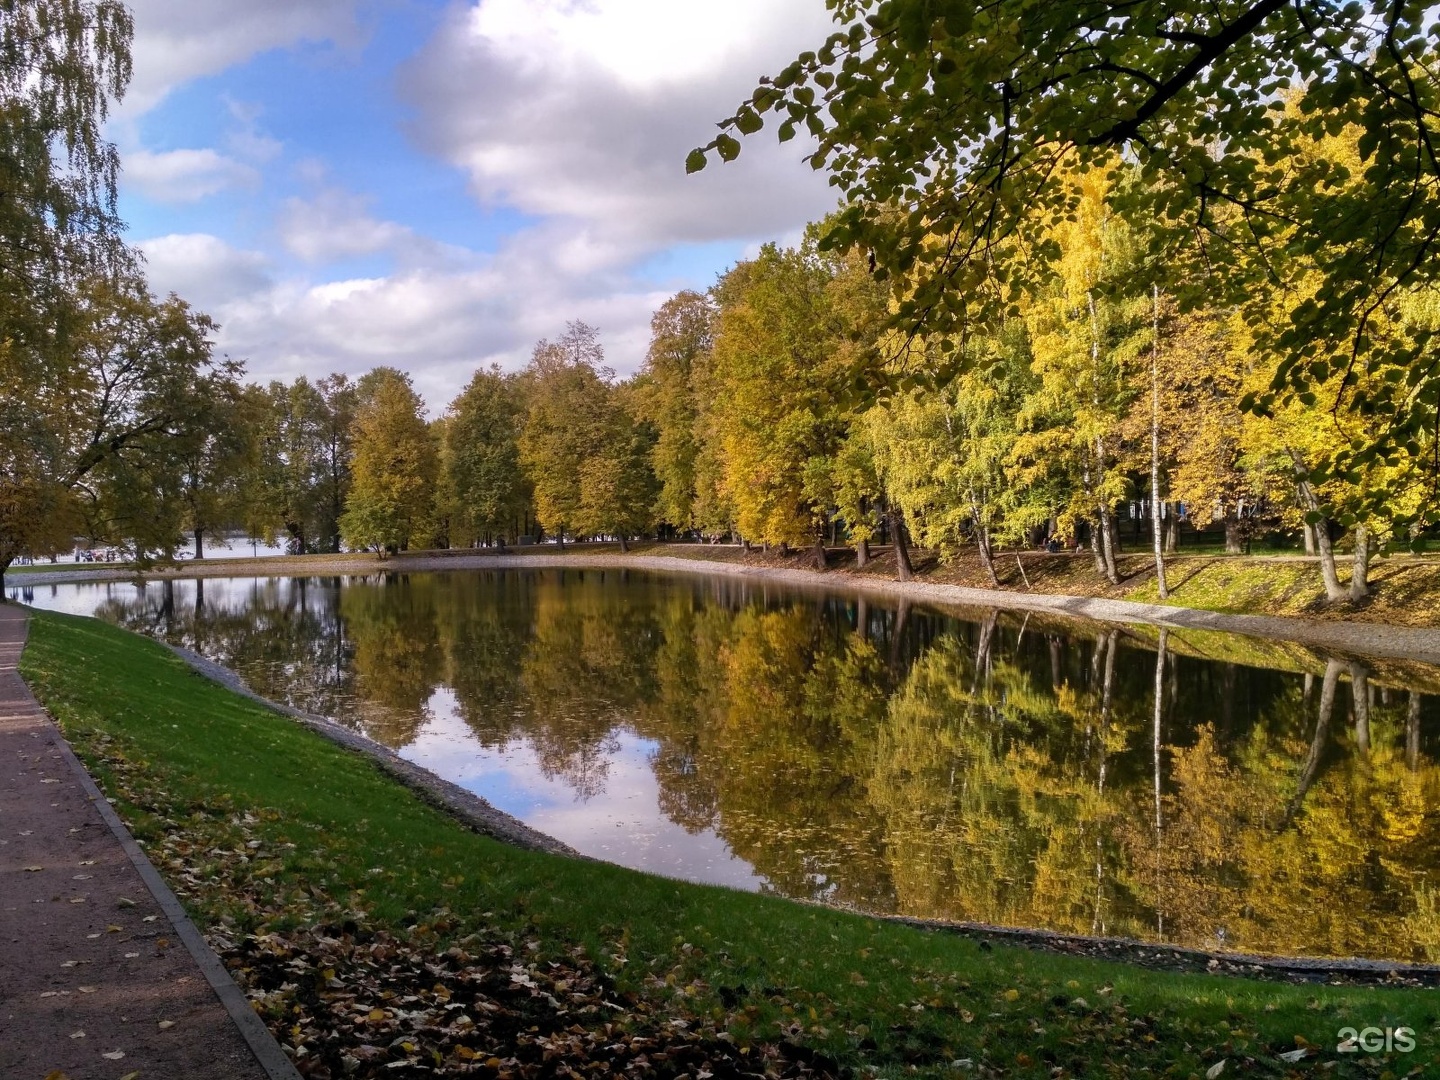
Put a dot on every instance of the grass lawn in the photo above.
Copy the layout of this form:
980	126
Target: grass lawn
268	831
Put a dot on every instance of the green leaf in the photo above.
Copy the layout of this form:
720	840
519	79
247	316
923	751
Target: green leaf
728	147
695	161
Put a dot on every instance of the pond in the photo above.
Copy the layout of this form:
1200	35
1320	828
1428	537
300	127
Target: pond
983	766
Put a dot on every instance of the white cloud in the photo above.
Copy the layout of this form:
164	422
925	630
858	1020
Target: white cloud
180	40
203	269
336	225
441	323
587	111
578	113
184	176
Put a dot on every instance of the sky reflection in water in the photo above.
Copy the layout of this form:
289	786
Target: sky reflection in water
998	768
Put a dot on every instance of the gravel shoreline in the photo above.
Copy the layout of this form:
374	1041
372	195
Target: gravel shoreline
1353	639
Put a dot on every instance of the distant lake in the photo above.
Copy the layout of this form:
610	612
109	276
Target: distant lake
991	767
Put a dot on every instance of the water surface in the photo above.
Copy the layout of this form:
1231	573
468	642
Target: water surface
1000	768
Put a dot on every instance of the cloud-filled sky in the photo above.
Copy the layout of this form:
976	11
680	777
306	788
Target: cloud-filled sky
437	185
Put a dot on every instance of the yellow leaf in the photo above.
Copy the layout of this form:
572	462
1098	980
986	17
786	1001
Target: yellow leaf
377	1015
1012	995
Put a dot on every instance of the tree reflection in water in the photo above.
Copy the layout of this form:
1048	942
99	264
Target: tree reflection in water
1193	788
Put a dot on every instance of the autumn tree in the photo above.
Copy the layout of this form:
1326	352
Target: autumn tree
790	340
482	481
568	421
390	504
963	116
618	487
90	450
217	457
681	337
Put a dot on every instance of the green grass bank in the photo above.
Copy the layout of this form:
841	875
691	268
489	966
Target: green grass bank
381	938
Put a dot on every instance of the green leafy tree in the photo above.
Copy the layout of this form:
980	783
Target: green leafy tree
483	481
92	449
618	487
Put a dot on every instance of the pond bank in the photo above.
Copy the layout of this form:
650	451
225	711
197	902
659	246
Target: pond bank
1357	636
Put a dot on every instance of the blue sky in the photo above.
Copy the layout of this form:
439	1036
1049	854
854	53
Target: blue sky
436	186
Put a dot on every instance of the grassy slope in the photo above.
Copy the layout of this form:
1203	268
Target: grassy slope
191	764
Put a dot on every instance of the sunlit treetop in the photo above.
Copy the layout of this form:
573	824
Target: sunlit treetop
949	126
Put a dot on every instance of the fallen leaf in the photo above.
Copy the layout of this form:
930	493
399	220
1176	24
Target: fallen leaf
124	901
77	1034
131	955
150	918
1216	1069
165	1025
33	869
56	1074
88	989
1012	995
131	1075
1292	1056
114	1055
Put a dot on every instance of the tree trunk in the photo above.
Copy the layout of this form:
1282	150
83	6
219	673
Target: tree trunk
987	556
1360	697
1172	530
199	543
4	565
624	547
1323	546
744	546
862	554
1234	538
1308	531
822	560
1156	506
982	543
1109	544
903	568
1412	732
1311	768
1360	571
1159	713
1095	552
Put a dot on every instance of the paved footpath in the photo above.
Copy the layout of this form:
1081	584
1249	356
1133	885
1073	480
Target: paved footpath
96	979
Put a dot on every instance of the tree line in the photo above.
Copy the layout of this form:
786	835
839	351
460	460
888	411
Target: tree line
899	373
778	408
